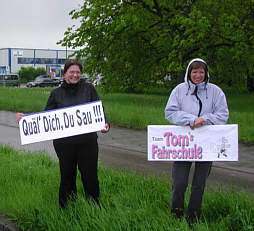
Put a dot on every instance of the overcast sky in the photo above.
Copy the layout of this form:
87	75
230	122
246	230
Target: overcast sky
35	23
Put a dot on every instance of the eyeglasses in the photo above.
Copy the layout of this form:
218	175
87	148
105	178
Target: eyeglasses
74	72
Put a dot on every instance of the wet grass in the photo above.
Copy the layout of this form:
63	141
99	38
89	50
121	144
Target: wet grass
131	110
26	100
29	194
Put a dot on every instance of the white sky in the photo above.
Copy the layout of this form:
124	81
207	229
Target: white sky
35	23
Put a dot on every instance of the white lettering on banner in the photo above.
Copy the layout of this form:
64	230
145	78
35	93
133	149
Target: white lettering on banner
64	122
207	143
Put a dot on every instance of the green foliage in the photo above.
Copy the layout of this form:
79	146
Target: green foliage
29	73
137	43
29	195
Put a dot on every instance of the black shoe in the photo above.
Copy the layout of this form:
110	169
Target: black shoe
178	213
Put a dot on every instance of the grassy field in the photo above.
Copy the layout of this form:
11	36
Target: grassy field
131	110
29	194
29	181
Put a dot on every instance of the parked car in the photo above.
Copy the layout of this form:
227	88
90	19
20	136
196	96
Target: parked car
43	82
42	77
9	80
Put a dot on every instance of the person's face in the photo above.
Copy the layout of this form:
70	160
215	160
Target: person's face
72	75
197	75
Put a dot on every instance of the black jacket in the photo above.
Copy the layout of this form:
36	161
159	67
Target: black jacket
70	95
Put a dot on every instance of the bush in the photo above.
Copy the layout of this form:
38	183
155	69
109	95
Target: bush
27	74
233	90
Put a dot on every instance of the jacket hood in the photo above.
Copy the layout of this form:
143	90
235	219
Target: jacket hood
187	70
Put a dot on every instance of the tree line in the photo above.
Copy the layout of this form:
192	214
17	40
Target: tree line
144	43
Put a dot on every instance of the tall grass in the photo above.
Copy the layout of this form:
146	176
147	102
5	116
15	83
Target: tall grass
29	192
23	99
131	110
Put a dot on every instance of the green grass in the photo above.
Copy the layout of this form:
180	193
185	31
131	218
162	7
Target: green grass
131	110
29	194
135	110
23	99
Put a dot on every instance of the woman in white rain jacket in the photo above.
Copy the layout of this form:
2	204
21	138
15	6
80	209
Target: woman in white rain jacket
194	103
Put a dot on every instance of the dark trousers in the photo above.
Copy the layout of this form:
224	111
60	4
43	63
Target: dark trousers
180	173
85	157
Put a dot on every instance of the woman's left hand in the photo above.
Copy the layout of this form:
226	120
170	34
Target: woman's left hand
106	129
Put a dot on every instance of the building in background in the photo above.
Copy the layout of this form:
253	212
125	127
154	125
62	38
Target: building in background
12	59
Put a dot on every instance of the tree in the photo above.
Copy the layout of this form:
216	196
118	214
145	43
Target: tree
138	42
129	41
232	27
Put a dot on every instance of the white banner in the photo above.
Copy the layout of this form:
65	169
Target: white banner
64	122
207	143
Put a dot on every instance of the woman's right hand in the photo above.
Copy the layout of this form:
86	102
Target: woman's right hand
199	122
19	116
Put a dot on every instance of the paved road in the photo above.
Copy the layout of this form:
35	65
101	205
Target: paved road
123	148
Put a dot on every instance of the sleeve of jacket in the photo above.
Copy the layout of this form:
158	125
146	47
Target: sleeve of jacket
96	97
51	103
173	112
220	112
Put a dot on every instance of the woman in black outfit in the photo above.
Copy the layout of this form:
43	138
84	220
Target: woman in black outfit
76	151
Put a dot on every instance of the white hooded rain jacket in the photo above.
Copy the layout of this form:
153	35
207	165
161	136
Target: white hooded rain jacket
183	107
